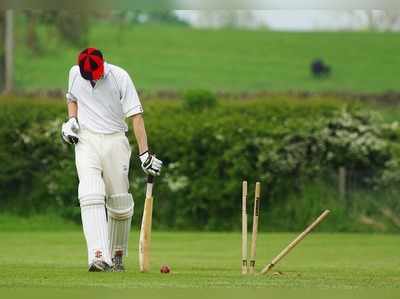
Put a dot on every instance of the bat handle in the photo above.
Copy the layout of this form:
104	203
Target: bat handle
150	179
149	188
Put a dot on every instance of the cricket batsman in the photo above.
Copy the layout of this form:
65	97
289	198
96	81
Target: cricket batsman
100	96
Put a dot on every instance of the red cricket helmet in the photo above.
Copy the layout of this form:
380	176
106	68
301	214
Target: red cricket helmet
91	64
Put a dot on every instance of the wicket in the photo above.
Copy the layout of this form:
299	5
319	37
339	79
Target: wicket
296	241
256	213
255	228
244	227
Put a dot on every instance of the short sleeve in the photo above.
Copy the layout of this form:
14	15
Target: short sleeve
73	75
129	98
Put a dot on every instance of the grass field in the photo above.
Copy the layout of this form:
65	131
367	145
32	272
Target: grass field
179	58
49	260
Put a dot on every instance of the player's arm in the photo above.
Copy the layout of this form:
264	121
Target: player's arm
72	109
150	164
70	129
133	109
140	133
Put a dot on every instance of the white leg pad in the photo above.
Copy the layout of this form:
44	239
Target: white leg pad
94	220
120	212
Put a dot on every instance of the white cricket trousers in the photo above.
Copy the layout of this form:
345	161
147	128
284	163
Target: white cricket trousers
102	162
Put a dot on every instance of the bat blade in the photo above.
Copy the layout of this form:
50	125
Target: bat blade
145	236
145	230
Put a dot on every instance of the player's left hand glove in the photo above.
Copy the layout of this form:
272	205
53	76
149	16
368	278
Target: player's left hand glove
150	164
69	131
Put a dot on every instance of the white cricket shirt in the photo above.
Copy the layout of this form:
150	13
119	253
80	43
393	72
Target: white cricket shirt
103	108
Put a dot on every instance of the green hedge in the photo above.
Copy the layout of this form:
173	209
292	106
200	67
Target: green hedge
293	147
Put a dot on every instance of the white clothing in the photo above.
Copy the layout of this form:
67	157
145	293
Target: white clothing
102	162
104	107
120	211
106	156
95	229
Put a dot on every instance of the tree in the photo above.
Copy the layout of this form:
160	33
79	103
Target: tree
2	58
385	20
228	18
9	52
32	38
73	27
378	20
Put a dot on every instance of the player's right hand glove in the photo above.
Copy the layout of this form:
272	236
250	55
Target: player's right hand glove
70	130
150	164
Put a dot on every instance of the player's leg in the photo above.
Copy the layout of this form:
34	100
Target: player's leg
119	201
91	194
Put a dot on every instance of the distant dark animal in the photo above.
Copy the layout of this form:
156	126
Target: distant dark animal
319	69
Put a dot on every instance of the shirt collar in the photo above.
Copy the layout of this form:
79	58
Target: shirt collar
106	69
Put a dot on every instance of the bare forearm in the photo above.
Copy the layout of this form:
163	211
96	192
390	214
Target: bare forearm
150	164
72	109
140	132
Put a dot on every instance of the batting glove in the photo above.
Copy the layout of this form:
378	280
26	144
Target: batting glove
150	164
69	131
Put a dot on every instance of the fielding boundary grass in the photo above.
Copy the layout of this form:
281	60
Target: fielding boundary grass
181	58
51	260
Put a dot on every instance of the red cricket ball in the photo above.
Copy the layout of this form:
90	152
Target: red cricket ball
165	269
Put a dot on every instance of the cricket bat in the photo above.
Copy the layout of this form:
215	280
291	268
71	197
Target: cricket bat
145	230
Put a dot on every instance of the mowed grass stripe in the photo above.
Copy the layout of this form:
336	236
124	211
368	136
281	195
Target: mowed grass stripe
180	58
343	261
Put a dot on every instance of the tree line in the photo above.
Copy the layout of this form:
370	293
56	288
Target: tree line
69	26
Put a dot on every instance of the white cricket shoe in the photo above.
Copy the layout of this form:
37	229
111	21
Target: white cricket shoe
99	266
118	265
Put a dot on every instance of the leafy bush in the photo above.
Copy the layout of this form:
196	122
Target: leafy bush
198	100
292	147
356	142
